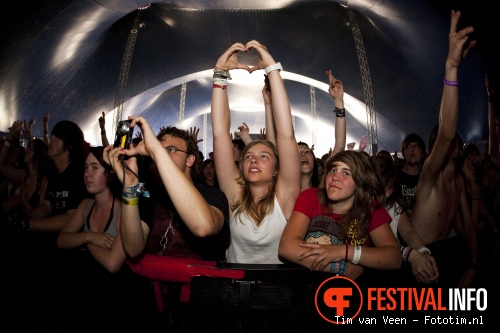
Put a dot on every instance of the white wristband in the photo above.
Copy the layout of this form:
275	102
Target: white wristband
276	66
357	254
423	250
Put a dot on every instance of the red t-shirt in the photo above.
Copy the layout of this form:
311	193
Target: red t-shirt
324	228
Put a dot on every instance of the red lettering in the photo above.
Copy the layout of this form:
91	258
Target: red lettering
419	300
430	300
371	297
402	298
440	301
391	305
380	299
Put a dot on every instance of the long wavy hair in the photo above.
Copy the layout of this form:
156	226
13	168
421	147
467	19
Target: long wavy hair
245	204
386	172
369	194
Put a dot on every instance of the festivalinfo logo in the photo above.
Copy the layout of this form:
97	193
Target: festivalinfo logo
339	300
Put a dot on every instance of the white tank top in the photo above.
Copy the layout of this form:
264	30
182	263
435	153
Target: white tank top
252	244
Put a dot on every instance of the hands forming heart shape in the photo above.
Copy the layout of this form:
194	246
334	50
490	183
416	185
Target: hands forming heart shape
229	59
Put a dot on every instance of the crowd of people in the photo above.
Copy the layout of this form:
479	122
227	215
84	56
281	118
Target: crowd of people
107	218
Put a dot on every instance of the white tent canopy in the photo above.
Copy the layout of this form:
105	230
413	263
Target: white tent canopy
68	64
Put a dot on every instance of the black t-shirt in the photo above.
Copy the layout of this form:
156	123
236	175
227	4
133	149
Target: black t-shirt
407	188
169	235
65	191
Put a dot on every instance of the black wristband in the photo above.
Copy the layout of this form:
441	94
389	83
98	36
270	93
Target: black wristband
340	113
491	99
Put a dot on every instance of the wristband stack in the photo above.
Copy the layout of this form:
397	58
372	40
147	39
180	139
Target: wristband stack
130	195
220	78
405	252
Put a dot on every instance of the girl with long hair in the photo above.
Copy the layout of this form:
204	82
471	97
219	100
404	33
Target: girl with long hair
263	187
342	226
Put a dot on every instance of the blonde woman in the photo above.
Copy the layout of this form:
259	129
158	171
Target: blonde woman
263	187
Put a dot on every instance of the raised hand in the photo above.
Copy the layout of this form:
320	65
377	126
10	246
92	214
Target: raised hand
46	122
242	130
265	57
335	87
28	134
460	43
363	143
262	135
229	60
102	121
266	90
14	130
125	169
193	133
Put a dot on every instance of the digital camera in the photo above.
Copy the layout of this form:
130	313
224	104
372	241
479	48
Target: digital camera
124	133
